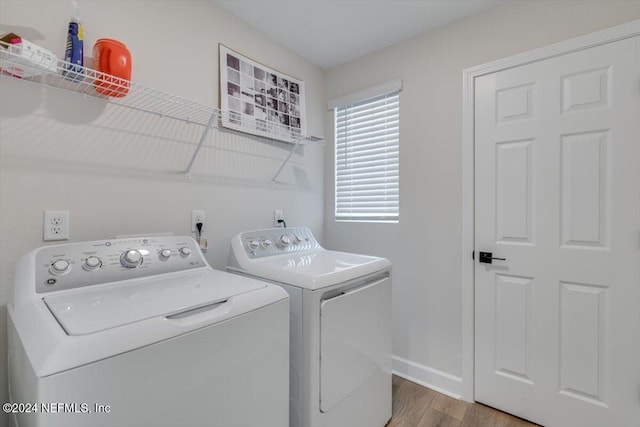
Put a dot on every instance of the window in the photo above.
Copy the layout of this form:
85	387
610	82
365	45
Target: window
366	155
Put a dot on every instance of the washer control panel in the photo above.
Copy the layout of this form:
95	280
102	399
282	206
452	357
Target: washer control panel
76	265
277	241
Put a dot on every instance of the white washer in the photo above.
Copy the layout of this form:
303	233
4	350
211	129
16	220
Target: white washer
147	329
340	371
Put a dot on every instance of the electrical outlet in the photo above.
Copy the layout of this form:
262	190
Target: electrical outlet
55	225
277	215
196	217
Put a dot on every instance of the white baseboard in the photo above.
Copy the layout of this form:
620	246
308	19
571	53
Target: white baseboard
434	379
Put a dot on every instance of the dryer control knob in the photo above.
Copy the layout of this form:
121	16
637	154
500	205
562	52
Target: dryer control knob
61	266
254	244
266	243
185	251
284	240
91	263
296	239
131	258
165	254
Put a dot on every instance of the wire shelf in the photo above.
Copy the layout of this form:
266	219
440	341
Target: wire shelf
33	66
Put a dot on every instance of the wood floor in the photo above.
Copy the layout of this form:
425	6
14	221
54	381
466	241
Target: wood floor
417	406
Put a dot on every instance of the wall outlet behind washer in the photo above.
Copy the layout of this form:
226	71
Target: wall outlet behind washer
277	215
55	225
196	217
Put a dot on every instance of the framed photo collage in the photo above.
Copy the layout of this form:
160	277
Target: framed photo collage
259	100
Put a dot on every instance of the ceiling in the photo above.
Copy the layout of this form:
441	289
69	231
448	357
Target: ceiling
332	32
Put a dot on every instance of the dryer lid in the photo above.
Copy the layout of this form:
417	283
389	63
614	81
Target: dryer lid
102	307
316	269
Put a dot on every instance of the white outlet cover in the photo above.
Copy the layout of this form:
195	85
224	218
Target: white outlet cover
196	217
55	225
277	214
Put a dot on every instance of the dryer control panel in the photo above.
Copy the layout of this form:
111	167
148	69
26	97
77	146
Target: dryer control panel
277	241
76	265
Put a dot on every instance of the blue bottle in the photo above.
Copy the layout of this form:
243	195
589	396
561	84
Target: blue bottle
74	53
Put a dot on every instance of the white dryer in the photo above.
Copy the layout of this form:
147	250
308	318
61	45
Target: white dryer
340	374
143	332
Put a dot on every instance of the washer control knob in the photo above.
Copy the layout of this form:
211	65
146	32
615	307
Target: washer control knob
296	239
60	266
266	243
165	254
284	240
185	251
254	244
131	258
91	263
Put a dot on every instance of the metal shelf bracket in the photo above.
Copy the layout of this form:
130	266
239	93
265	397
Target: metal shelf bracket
205	132
293	150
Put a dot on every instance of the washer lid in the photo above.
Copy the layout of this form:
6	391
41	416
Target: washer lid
102	307
316	269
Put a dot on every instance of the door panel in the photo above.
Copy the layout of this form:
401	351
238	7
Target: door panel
583	352
558	196
514	219
584	189
513	311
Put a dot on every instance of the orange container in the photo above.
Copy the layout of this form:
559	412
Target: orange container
112	58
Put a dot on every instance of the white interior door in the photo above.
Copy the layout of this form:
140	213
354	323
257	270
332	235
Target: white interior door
557	146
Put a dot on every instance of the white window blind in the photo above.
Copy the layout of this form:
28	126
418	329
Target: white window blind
367	148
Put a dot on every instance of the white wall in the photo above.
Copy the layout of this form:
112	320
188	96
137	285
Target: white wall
122	172
425	247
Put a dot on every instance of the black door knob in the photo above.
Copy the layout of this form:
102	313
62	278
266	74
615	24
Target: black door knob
487	258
